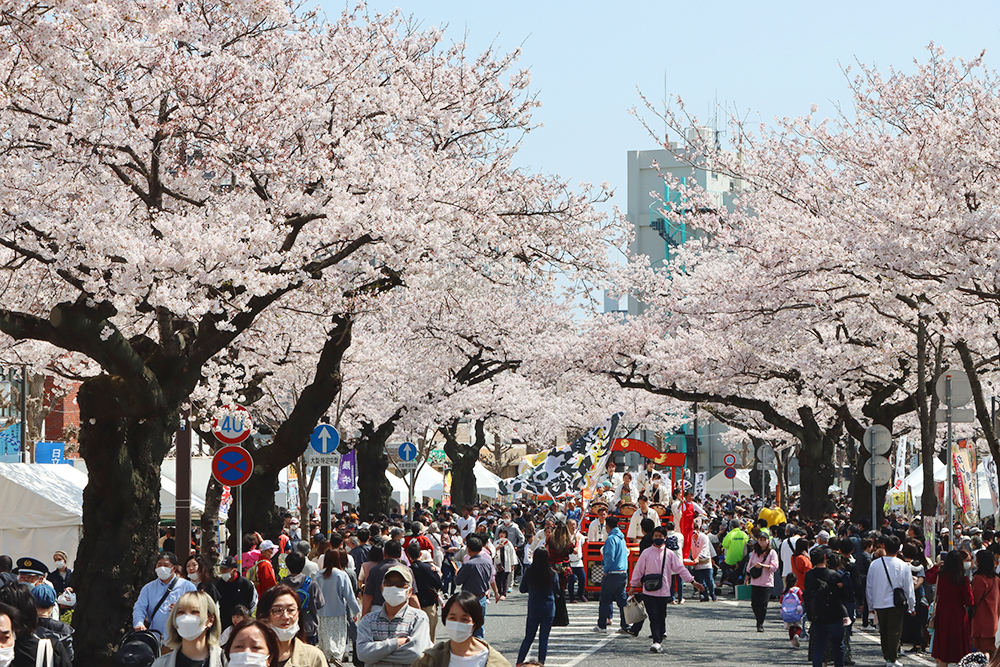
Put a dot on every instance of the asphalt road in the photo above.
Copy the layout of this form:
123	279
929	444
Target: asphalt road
722	634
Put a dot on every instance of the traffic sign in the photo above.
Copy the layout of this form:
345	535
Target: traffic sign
315	458
235	425
406	465
877	440
730	472
729	460
883	470
232	466
961	390
765	454
324	439
407	452
958	415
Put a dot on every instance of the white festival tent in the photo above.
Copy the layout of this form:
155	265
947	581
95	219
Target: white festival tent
42	509
915	481
487	484
721	485
168	490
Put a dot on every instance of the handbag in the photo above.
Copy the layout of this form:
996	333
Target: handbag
898	594
654	582
635	611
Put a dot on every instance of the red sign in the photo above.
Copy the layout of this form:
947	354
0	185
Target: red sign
232	466
234	427
646	450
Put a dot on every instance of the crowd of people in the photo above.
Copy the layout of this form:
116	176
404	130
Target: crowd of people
387	591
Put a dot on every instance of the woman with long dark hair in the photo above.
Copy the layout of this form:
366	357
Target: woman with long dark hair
986	597
341	604
540	582
761	566
951	622
199	572
559	547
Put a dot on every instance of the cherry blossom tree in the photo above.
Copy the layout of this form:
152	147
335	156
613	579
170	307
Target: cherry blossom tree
173	171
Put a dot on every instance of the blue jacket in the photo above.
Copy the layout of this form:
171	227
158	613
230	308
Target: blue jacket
540	602
615	552
151	594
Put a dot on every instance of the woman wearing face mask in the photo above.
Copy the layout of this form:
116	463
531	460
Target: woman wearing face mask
952	634
198	572
540	582
341	604
60	577
27	647
193	633
279	606
8	631
252	644
462	615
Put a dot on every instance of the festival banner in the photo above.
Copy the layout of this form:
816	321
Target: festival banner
962	462
566	469
991	477
900	462
699	485
347	475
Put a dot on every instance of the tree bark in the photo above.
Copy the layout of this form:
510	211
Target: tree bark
210	521
121	512
292	437
816	470
927	404
374	490
464	490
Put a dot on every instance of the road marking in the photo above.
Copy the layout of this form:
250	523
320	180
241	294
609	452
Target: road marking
564	642
920	661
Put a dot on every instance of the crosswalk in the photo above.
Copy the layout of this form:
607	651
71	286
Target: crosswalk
571	645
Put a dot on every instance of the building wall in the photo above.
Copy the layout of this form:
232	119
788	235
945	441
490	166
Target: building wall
65	411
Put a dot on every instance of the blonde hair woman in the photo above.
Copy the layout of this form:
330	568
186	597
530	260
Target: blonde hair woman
193	631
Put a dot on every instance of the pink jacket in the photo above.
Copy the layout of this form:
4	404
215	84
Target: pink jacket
651	560
766	578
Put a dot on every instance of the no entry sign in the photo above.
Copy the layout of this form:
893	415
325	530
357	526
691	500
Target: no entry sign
232	466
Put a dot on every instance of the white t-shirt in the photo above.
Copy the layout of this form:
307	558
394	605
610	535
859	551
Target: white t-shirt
477	660
466	525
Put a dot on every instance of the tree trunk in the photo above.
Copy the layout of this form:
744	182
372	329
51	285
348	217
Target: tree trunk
292	437
121	511
464	490
374	490
816	470
927	403
210	521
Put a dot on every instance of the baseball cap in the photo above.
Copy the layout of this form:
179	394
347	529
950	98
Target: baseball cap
266	545
228	562
403	570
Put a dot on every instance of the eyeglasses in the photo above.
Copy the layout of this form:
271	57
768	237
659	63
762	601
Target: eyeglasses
284	611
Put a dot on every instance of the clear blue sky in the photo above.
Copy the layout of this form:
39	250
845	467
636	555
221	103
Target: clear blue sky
772	59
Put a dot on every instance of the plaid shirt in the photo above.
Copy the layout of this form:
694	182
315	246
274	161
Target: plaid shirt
377	637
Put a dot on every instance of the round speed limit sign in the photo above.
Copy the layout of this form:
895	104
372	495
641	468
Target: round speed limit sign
729	460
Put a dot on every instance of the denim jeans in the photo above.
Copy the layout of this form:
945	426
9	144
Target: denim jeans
480	633
612	591
677	587
537	622
823	633
705	578
577	575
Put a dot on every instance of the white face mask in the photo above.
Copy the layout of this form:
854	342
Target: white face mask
194	576
286	634
60	565
189	626
458	631
395	596
164	573
247	659
226	576
6	656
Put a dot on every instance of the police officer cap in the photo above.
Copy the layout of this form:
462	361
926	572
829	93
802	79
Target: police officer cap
31	566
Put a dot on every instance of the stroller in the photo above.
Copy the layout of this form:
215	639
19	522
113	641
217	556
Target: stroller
138	648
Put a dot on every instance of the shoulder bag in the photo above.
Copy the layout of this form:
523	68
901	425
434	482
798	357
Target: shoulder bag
654	582
898	594
152	614
44	654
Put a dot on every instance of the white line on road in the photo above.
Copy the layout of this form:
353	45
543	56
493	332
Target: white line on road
921	661
586	654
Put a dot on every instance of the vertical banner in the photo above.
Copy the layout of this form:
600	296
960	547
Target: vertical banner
699	485
446	489
929	537
347	475
965	486
900	462
990	471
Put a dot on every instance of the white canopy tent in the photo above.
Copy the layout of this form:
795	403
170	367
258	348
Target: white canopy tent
487	484
915	482
721	485
168	501
399	491
42	509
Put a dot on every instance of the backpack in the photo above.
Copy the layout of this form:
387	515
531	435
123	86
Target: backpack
303	593
791	608
672	543
253	576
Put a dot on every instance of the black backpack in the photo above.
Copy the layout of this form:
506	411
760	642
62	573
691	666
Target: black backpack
139	648
822	599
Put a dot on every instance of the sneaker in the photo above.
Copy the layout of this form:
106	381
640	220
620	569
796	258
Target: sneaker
598	629
623	631
760	628
633	634
656	648
796	643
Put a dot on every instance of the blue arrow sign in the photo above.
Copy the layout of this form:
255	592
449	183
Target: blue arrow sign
407	451
324	439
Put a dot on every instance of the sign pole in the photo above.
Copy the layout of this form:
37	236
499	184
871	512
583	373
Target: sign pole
238	502
871	462
324	500
182	501
948	494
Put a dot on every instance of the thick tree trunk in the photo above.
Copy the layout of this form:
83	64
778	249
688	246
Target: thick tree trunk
816	470
210	521
374	490
121	510
464	490
259	511
927	403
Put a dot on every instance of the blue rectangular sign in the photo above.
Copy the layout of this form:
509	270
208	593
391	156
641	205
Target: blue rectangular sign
50	452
